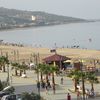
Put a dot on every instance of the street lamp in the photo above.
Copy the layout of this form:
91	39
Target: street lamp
7	61
83	86
38	82
8	74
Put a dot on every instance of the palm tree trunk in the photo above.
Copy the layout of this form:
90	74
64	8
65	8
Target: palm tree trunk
46	77
24	71
75	84
92	87
41	77
16	72
3	67
53	82
20	73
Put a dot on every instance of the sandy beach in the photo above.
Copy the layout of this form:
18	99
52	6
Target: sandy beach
16	53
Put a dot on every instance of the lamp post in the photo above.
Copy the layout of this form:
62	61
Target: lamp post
7	69
8	74
38	82
83	86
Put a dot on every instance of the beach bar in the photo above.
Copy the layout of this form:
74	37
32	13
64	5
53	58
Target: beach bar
56	60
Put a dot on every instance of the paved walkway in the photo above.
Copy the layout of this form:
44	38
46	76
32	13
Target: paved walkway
29	84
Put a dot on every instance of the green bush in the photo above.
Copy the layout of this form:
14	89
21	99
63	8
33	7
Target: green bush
26	96
32	96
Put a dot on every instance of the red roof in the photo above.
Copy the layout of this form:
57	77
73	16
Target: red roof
56	57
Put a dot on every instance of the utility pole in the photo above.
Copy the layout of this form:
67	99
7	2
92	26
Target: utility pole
38	82
7	69
83	86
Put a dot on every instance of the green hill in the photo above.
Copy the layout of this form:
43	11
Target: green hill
12	18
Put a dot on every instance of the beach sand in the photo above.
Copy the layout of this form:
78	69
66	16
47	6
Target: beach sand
16	53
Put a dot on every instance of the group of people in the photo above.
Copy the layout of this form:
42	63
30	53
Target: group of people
88	94
44	85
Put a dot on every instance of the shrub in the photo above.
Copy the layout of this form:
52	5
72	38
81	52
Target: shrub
32	96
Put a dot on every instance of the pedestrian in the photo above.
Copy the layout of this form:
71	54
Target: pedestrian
68	96
38	86
92	94
49	85
62	80
43	84
87	93
46	87
78	95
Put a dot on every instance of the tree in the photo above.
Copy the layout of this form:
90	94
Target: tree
3	61
76	76
26	96
24	67
91	77
31	96
46	69
40	68
16	67
53	69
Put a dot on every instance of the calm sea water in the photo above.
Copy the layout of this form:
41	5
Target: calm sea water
84	35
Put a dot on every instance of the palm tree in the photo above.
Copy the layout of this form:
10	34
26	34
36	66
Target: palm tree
3	61
91	77
45	70
49	69
76	76
52	70
40	68
24	67
16	67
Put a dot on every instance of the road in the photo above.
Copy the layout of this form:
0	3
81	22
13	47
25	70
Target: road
29	85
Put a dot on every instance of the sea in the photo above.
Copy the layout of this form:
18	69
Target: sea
76	35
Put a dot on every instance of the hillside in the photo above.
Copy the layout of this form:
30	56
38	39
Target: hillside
12	18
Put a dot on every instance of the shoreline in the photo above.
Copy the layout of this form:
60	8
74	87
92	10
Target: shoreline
16	53
30	26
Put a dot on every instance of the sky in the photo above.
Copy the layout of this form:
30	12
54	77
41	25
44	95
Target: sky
87	9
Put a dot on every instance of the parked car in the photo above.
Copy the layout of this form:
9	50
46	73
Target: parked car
2	94
9	89
11	97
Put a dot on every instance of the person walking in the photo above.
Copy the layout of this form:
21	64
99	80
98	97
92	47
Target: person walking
87	93
68	96
46	87
62	80
38	86
79	95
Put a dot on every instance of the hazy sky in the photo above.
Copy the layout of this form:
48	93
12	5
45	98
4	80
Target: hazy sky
74	8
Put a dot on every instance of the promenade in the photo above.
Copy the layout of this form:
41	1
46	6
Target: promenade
29	84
